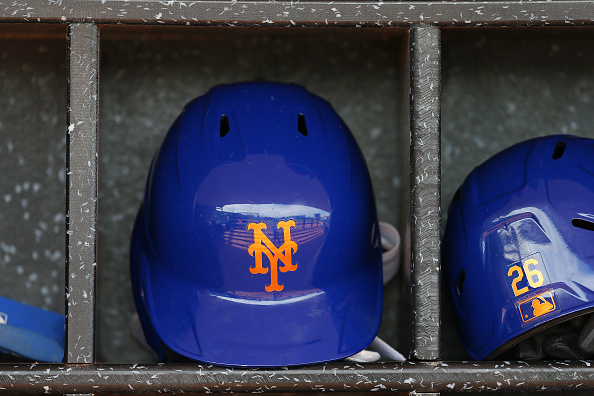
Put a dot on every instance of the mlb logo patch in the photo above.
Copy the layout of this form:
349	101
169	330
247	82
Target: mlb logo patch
3	318
537	306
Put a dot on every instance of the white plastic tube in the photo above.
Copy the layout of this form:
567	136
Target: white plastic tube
391	250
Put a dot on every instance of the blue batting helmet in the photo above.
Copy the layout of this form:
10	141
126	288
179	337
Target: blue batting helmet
518	246
257	243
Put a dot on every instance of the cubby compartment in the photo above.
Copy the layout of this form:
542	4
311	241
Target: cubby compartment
32	165
503	86
147	76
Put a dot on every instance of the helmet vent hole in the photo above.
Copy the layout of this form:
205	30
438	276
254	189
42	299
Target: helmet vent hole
559	150
224	127
460	283
585	224
301	125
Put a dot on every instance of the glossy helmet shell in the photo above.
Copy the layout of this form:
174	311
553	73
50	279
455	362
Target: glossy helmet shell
518	246
257	243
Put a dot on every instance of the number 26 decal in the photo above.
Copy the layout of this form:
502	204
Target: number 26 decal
533	275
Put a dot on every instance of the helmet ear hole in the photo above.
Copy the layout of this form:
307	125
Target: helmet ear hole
582	223
224	126
559	150
460	283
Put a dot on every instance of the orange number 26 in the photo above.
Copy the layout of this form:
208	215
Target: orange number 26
534	276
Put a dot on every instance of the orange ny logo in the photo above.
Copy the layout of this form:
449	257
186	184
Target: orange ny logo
263	245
